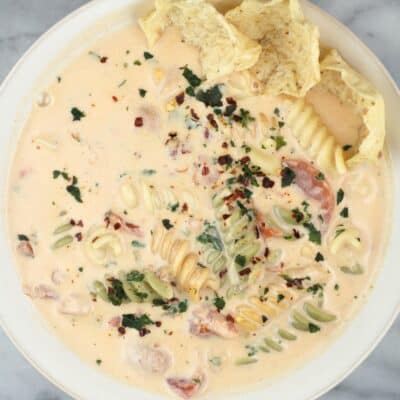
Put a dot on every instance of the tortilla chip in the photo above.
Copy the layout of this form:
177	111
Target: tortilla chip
352	88
289	62
223	49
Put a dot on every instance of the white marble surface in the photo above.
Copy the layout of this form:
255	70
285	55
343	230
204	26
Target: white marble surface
376	22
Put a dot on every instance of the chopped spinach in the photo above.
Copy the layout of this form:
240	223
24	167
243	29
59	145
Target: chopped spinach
219	303
339	196
240	260
147	55
77	114
211	97
314	235
211	237
319	257
23	238
167	224
142	92
192	78
345	212
288	176
137	322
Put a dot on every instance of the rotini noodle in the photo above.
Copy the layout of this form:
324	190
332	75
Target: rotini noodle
183	264
314	137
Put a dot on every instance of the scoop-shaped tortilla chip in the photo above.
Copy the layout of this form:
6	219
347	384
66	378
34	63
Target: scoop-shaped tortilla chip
223	49
352	88
289	62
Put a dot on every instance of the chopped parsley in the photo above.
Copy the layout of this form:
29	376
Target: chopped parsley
315	289
219	303
245	117
320	176
240	260
142	92
167	224
280	297
175	307
149	172
116	293
288	176
312	328
192	78
147	55
319	257
345	212
137	62
339	196
72	188
134	276
279	141
211	97
23	238
277	112
134	321
174	207
314	235
77	114
137	244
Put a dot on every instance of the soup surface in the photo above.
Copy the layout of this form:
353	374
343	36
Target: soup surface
177	235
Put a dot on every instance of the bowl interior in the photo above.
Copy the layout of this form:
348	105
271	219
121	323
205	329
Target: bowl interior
22	322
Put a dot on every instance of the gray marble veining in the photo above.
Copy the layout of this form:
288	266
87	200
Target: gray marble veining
375	22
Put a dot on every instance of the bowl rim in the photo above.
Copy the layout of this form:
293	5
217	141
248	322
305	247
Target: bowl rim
340	26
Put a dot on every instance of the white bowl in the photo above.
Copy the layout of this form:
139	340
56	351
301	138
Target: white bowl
21	321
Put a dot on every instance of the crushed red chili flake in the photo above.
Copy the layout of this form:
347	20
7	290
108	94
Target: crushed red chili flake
180	98
80	223
103	60
267	183
296	233
297	283
212	121
143	332
231	100
194	114
79	236
229	318
107	221
245	271
115	98
158	324
72	222
245	160
226	159
222	273
121	330
206	133
236	118
205	170
257	232
185	207
226	216
138	122
224	145
266	252
117	226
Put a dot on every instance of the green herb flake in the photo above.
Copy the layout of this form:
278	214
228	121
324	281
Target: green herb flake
211	97
137	62
116	293
319	257
137	244
77	114
75	192
280	297
149	172
134	276
314	289
98	361
190	91
142	92
288	176
193	80
147	55
345	212
320	176
210	236
219	303
279	141
134	321
277	112
240	260
23	238
167	224
312	328
314	235
245	117
339	196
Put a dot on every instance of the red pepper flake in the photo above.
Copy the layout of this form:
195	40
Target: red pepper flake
224	145
115	98
245	271
222	273
121	330
158	324
226	216
79	236
266	252
194	115
170	333
138	122
245	160
226	159
103	60
107	221
206	133
257	232
185	207
72	222
267	183
180	98
212	121
296	233
117	226
229	318
205	170
143	332
80	223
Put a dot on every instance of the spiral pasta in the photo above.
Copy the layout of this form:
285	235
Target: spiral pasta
183	264
238	228
314	137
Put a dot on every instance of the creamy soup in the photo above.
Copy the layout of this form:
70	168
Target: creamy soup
178	236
